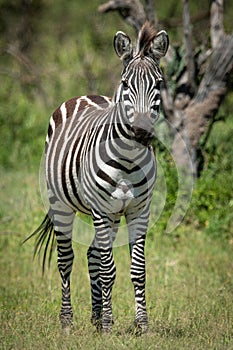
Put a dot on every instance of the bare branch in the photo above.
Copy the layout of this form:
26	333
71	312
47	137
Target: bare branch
131	11
188	46
33	75
174	22
22	59
220	66
201	111
216	22
167	102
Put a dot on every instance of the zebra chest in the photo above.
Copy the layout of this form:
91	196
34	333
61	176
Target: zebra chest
103	182
111	190
106	190
123	191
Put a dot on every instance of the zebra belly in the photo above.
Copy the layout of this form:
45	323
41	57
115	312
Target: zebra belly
73	193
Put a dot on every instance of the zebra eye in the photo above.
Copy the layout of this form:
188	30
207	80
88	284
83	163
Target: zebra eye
125	83
158	84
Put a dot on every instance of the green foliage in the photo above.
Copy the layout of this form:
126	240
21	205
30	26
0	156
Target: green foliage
212	202
65	58
176	67
22	132
210	209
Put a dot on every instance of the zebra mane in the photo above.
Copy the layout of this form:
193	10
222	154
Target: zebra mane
145	38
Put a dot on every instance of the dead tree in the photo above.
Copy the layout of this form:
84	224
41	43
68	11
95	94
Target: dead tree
201	87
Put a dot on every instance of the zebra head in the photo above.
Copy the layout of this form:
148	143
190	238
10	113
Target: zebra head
139	89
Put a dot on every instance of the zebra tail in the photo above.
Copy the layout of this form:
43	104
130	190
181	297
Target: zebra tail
44	237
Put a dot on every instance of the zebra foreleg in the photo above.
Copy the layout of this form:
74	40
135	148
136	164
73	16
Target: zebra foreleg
107	269
63	229
137	272
138	277
107	278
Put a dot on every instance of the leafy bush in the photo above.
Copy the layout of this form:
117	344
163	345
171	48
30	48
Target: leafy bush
22	128
212	202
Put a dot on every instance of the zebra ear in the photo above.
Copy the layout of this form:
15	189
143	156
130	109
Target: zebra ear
122	46
160	45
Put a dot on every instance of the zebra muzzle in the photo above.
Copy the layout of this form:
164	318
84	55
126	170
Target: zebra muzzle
143	129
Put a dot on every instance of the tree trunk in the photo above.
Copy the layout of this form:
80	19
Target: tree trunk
202	109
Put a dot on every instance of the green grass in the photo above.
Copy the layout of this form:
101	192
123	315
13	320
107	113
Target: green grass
189	286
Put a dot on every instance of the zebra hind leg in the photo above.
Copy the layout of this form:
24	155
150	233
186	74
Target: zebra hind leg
93	255
63	222
94	264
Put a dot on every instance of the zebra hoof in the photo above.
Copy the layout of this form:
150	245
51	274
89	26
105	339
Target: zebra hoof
67	327
67	330
106	330
66	323
107	325
141	326
97	322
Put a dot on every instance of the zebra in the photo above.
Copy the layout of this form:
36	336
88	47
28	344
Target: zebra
99	161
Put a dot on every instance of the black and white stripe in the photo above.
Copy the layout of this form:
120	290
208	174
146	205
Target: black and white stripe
99	161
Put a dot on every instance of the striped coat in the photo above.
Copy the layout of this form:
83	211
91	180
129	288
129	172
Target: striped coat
99	161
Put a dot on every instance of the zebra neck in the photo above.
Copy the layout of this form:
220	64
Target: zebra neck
122	137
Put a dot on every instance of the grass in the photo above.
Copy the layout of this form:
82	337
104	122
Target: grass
189	286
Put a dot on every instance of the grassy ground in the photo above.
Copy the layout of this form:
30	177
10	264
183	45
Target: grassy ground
189	286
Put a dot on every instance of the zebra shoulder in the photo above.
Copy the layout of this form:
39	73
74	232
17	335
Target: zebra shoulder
74	106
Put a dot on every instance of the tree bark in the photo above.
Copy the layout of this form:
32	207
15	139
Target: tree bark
200	112
189	57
